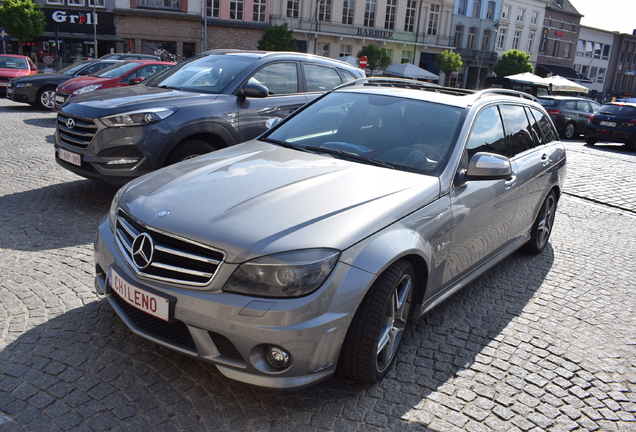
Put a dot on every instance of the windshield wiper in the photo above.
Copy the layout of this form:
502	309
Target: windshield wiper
348	155
284	144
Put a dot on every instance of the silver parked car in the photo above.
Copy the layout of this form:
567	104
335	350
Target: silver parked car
310	248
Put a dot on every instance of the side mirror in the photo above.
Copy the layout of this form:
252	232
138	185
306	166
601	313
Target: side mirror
254	90
136	81
270	123
489	166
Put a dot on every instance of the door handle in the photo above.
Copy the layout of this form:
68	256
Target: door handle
510	182
545	159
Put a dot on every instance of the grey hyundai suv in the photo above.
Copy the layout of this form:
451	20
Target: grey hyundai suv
212	101
309	249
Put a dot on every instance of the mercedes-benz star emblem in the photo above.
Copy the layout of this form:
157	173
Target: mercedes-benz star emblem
142	250
70	123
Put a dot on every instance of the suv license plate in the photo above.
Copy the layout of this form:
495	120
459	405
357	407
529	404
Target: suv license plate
139	298
72	158
610	124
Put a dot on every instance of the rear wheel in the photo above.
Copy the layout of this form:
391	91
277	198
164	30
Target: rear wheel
542	226
46	98
188	149
570	130
590	141
375	334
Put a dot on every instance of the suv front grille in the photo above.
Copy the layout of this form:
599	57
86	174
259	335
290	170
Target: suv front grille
171	259
80	134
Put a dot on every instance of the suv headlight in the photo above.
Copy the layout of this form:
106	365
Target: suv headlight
288	274
138	118
22	85
86	89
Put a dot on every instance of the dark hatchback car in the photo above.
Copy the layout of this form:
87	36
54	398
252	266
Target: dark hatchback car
614	122
212	101
569	114
39	90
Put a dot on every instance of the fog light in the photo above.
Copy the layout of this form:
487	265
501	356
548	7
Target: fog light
122	161
278	357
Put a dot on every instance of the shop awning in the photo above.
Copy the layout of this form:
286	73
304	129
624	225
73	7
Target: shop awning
81	36
565	72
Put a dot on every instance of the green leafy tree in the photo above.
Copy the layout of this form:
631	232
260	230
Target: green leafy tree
513	62
377	58
22	19
448	62
278	38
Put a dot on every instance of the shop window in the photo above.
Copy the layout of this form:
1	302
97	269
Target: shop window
160	4
213	8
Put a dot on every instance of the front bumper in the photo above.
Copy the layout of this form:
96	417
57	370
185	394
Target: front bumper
234	331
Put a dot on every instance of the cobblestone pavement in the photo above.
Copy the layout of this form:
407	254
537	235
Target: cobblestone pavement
540	343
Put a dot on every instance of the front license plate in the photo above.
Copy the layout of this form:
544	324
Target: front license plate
59	99
72	158
139	298
610	124
3	84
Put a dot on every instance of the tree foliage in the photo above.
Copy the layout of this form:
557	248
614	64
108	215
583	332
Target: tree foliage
513	62
377	58
448	62
278	38
23	19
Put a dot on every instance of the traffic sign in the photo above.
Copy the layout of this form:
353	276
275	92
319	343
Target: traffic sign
363	62
4	35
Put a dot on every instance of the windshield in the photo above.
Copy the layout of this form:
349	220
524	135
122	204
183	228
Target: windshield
210	74
117	70
619	110
13	63
73	68
411	135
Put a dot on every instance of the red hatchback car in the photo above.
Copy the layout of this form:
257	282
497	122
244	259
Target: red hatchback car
121	74
12	66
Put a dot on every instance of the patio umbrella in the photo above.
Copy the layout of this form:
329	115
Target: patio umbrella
563	84
407	70
527	77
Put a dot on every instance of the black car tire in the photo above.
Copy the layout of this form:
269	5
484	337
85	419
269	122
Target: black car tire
46	98
188	149
542	226
380	320
569	131
590	141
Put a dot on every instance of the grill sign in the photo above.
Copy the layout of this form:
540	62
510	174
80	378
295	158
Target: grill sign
141	299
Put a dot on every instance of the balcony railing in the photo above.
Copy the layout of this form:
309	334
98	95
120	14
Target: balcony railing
471	55
359	31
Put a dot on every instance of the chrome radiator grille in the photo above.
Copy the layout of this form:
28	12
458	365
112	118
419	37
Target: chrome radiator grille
75	131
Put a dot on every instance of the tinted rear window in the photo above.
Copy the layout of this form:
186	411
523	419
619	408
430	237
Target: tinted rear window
619	110
549	102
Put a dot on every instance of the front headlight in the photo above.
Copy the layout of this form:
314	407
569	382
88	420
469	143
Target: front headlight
138	118
22	85
288	274
112	214
88	88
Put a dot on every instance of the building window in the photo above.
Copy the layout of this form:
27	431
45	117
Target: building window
560	25
547	22
389	19
606	51
433	19
476	8
213	8
501	38
96	3
456	80
369	13
163	4
324	11
556	48
459	35
322	49
259	9
409	20
388	52
406	57
505	12
534	18
461	7
78	3
57	2
601	75
515	39
530	43
490	14
566	50
485	41
345	50
347	12
236	10
521	15
472	35
292	8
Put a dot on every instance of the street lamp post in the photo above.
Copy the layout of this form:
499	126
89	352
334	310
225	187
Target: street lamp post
95	27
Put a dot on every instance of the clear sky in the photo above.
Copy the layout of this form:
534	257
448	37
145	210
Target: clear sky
613	15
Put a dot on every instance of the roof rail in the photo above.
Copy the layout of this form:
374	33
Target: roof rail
507	92
407	84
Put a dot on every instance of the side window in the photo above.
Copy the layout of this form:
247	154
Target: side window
547	132
487	134
595	106
347	76
279	78
536	129
95	67
569	105
518	129
321	78
583	106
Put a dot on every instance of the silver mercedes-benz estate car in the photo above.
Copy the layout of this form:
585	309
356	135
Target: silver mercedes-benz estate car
308	249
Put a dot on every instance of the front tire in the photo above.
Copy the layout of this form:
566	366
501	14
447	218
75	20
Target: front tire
590	141
542	226
46	98
375	334
570	130
188	149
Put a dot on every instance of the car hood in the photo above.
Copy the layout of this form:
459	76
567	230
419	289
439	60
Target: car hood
12	73
256	199
43	77
76	83
120	99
